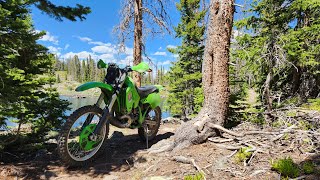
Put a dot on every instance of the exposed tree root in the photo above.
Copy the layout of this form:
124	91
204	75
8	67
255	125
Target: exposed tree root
202	128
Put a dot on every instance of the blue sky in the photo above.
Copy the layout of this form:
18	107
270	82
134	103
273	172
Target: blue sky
94	35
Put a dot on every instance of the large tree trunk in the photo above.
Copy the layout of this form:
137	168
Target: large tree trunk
137	44
215	77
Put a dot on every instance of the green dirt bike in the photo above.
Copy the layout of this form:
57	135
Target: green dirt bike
84	135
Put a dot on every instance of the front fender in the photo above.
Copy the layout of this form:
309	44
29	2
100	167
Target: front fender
90	85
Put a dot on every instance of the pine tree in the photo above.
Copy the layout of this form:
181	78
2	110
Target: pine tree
215	78
91	69
282	56
24	70
185	75
83	71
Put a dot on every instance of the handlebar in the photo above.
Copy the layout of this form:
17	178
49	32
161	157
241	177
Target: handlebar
141	67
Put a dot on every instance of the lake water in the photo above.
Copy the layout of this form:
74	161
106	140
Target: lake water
79	102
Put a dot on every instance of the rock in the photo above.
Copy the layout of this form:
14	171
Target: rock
220	163
166	120
110	177
42	153
117	134
158	178
172	120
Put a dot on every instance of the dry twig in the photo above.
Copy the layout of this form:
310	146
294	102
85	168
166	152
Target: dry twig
185	160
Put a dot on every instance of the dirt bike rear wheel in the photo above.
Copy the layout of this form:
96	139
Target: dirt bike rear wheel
154	116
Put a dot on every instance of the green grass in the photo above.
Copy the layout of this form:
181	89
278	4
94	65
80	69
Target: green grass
308	167
198	176
286	167
313	104
291	113
243	154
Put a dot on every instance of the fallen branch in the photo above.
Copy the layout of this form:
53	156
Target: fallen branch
237	134
233	153
257	172
220	140
185	160
228	147
298	178
253	154
277	137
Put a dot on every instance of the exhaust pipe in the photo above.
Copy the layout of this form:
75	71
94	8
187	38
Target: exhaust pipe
118	124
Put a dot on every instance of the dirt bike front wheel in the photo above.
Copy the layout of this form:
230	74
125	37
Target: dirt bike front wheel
77	143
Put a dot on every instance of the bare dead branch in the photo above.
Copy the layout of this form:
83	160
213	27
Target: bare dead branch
228	147
215	126
215	140
185	160
159	21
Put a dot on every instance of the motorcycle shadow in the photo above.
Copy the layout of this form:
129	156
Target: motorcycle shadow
119	154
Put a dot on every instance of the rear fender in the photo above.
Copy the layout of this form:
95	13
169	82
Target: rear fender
153	99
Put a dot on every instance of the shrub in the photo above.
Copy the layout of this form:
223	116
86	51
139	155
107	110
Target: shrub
198	176
286	167
243	154
308	167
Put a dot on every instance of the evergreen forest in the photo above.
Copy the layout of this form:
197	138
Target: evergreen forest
241	100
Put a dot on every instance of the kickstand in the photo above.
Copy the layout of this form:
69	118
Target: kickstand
146	129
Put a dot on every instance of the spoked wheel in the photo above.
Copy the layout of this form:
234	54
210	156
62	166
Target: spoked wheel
151	124
77	144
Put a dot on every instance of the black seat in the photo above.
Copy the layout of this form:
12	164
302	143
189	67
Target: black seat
144	91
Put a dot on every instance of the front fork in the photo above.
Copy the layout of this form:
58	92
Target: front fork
90	116
106	115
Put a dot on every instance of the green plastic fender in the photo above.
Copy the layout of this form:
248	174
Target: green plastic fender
90	85
101	64
132	96
153	99
141	67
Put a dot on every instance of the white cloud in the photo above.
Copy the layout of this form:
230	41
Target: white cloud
90	41
128	60
84	39
175	55
49	37
55	50
106	56
108	48
129	51
81	55
66	46
105	51
171	46
160	48
97	43
235	33
159	53
167	62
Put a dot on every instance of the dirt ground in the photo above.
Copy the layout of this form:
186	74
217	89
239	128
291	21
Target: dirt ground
126	158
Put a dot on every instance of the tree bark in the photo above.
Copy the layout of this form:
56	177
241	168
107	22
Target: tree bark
137	44
215	77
